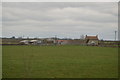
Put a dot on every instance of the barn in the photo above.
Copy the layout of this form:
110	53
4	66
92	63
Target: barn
35	42
24	42
91	40
27	42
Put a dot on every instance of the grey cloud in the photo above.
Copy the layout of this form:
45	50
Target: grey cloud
99	6
57	18
58	13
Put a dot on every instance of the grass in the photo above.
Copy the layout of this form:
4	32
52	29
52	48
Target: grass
59	62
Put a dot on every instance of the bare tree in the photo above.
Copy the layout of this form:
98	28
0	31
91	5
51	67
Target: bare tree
82	37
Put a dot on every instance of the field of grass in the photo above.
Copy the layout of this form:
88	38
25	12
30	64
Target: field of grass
59	62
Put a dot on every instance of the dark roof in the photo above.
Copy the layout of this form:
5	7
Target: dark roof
91	37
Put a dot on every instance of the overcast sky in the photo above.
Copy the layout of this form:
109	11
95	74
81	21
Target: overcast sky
64	19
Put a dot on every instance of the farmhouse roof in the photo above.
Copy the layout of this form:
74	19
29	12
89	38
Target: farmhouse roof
91	37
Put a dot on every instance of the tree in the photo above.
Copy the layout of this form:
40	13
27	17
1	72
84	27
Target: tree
82	37
13	37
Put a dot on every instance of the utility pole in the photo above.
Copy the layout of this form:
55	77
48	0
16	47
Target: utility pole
115	35
55	39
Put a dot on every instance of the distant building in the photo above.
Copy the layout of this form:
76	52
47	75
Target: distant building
91	40
34	42
50	41
24	42
62	42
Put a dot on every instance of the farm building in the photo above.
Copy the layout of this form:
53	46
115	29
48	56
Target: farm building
35	42
70	42
49	41
62	42
24	42
91	40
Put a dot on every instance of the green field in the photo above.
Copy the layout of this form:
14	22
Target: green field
59	62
